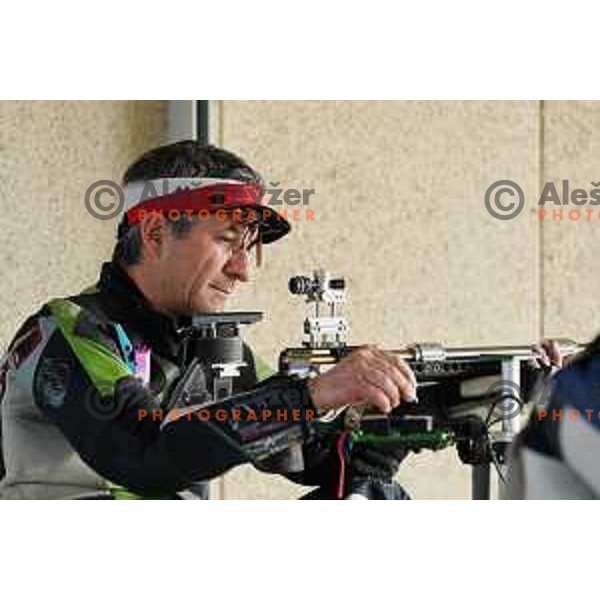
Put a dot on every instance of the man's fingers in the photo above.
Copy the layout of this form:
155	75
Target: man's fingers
404	373
541	358
552	351
392	367
540	351
408	372
376	397
406	388
547	355
399	364
380	379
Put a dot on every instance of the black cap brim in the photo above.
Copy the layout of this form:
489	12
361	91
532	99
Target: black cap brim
272	225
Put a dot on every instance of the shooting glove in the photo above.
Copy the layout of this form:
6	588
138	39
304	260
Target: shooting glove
372	463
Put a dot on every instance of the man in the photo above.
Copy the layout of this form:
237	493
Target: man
555	457
82	372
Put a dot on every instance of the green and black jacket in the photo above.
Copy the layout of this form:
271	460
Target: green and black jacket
71	402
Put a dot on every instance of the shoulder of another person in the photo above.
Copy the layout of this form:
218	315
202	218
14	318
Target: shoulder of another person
581	377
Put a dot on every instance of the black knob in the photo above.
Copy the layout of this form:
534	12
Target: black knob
300	285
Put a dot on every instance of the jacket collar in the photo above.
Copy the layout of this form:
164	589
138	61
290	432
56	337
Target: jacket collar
126	304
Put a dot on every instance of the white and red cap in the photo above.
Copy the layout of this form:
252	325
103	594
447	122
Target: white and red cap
195	194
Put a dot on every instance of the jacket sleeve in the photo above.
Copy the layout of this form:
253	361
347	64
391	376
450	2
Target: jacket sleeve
318	458
83	386
563	432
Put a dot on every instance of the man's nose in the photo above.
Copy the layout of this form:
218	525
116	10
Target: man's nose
238	266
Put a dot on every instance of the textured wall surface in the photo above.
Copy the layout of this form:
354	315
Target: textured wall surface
398	210
50	152
571	273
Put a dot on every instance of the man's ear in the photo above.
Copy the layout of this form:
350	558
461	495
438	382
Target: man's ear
153	232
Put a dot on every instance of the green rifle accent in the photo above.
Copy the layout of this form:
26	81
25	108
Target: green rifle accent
434	440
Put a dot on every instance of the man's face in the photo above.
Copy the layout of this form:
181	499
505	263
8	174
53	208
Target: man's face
199	271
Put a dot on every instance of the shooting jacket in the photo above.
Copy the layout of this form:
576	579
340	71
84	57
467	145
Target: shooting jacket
71	402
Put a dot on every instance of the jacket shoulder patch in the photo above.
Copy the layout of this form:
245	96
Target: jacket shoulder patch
52	381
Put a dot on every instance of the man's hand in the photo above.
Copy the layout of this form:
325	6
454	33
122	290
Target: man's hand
367	461
547	355
366	376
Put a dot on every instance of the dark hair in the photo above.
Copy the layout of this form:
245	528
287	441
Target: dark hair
187	158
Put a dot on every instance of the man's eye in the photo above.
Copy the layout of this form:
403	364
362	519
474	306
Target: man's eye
228	238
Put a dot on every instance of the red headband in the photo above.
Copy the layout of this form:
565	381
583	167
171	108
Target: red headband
209	197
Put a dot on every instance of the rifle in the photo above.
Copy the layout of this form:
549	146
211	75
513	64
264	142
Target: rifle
463	392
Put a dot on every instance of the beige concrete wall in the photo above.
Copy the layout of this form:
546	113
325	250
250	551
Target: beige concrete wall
570	248
398	210
50	152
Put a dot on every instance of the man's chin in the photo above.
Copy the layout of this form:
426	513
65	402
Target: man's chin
210	307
